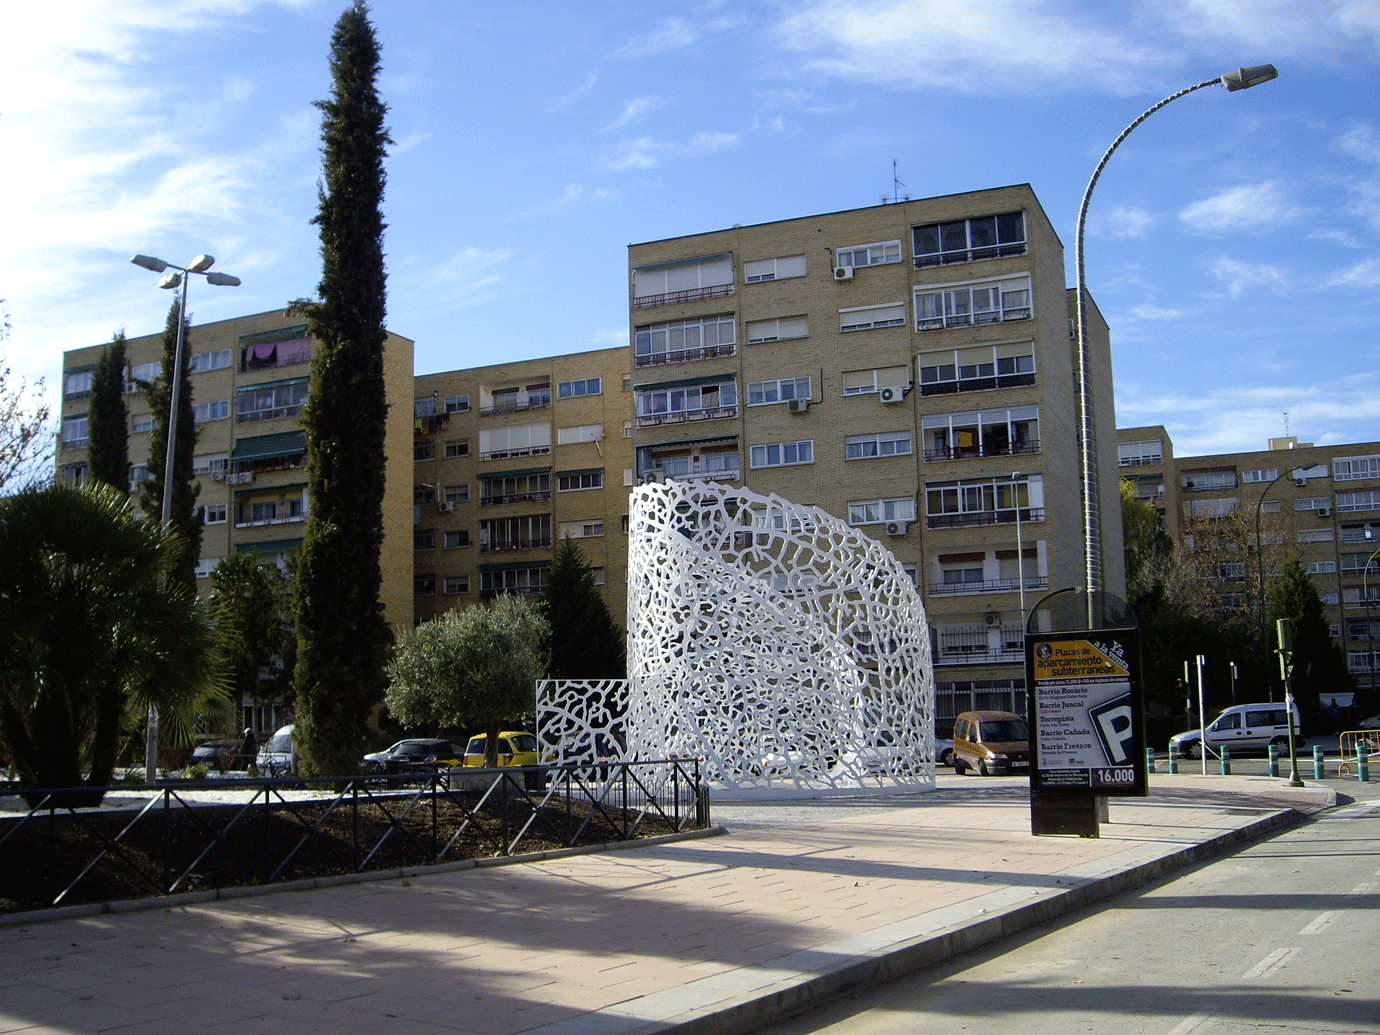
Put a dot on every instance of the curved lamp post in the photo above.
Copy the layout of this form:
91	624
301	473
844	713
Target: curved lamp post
1370	622
1260	554
1241	79
178	277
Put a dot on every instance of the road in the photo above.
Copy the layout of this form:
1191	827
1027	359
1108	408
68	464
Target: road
1279	937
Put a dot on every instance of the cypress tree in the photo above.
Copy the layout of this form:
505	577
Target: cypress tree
185	520
108	419
1319	664
585	642
342	638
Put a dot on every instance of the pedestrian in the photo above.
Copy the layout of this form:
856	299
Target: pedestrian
248	751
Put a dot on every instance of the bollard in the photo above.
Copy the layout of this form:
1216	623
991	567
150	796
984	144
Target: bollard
1226	760
1362	764
1149	760
1319	771
1274	759
1173	761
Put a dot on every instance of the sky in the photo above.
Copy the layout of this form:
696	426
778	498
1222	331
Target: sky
1233	242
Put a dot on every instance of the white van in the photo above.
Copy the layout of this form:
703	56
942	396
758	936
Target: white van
1241	728
278	757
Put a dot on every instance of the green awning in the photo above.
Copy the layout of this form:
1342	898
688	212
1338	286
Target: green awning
690	382
682	262
270	488
513	474
587	470
271	546
688	442
272	384
266	447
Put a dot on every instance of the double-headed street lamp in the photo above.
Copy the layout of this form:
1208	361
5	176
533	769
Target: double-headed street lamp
1241	79
177	276
1297	472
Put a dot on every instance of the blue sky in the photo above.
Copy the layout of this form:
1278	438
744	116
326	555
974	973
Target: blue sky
1232	241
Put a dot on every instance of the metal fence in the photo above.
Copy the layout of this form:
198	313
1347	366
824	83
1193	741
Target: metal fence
265	831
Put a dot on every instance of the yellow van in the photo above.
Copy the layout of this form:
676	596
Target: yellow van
991	742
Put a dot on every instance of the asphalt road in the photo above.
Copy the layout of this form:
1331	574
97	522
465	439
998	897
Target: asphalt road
1279	937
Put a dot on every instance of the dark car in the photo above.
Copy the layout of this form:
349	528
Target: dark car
217	755
414	756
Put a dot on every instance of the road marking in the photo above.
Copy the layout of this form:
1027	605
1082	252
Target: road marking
1318	924
1191	1023
1271	963
1362	889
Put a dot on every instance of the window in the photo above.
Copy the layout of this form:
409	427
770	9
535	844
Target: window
268	402
144	373
424	585
1351	468
623	522
582	433
144	422
457	493
863	382
680	401
210	464
867	317
206	565
215	513
1205	481
455	538
208	411
263	511
539	396
1269	506
575	389
1211	508
872	512
1267	474
424	407
424	449
456	584
773	269
977	368
577	480
77	385
780	329
525	532
683	340
1323	567
528	581
1366	532
74	431
454	450
1316	535
710	276
1140	454
716	459
598	575
280	348
984	501
954	436
765	393
972	304
878	254
457	404
424	539
423	495
1354	502
783	454
522	440
1312	502
524	487
965	240
884	443
204	361
589	529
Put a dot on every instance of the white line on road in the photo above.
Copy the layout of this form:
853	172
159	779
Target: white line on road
1271	963
1191	1023
1319	923
1362	889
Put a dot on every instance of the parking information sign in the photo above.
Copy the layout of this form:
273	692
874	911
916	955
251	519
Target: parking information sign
1087	731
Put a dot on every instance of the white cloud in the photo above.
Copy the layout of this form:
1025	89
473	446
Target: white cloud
1240	208
1154	312
1279	27
579	93
648	153
609	339
1238	277
467	277
1125	221
634	110
1341	237
1361	141
1364	274
672	34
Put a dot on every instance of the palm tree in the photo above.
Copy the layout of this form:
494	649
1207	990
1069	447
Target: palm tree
90	625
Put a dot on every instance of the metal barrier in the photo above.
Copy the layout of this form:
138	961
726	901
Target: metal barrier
1349	746
57	854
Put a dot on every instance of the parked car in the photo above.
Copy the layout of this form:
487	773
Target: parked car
416	755
217	755
1240	728
515	747
991	742
943	751
279	756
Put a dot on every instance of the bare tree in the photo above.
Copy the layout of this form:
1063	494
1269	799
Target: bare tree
26	438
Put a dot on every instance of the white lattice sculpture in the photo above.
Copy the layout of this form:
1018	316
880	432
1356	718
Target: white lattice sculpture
775	641
580	721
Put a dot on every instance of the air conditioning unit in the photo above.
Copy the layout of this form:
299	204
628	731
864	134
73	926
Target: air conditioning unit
993	618
893	394
217	476
843	272
897	527
797	405
246	477
1324	512
445	508
1301	481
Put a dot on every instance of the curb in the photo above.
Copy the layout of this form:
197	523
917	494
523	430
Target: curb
192	898
748	999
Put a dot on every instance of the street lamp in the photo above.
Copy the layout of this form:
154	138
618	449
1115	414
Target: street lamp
1260	554
176	277
1241	79
1370	622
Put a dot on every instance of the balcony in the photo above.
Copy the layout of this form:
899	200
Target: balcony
504	454
653	359
688	295
250	416
712	470
976	452
652	420
539	402
983	517
978	384
499	499
991	251
979	319
539	543
979	645
290	520
525	591
1013	585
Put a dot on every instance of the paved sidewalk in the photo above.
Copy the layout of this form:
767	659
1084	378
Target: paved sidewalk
792	905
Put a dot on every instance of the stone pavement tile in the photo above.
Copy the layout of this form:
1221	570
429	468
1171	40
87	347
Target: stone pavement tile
97	1017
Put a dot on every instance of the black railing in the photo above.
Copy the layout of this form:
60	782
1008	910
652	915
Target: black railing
56	853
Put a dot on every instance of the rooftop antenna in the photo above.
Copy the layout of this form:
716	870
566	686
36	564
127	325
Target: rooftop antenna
1286	423
896	186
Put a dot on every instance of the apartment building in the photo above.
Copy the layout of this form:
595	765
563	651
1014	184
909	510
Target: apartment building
508	460
250	377
908	367
1321	501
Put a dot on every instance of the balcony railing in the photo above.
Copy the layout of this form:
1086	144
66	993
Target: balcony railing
292	519
249	416
504	454
984	517
978	384
651	420
539	543
515	497
688	295
513	406
524	591
991	251
684	355
1012	585
939	323
975	452
980	653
